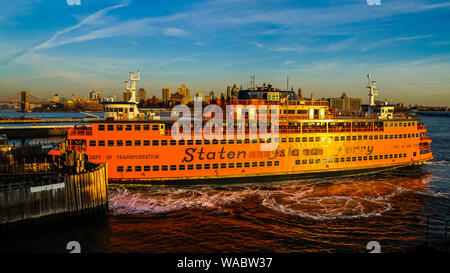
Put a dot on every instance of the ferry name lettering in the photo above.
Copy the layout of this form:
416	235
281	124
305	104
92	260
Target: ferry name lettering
94	157
351	150
191	153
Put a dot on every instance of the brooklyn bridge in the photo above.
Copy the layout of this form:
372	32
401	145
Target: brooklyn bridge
24	98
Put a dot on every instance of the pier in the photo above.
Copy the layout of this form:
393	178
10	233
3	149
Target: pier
70	186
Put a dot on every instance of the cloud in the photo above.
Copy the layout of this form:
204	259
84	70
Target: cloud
393	40
175	32
74	2
288	62
291	48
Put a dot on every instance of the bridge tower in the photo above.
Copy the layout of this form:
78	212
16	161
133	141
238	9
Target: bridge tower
25	101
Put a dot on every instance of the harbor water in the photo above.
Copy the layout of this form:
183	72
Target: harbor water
331	215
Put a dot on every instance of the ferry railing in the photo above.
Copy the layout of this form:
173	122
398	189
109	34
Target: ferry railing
421	127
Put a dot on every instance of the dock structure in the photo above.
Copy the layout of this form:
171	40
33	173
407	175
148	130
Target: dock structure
69	186
44	195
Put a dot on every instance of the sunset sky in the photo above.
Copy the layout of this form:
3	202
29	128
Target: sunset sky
326	47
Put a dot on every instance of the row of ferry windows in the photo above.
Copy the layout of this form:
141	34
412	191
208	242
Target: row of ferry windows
245	141
349	159
254	164
129	127
155	127
199	166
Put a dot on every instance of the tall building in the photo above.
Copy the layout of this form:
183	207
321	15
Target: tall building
184	91
93	95
142	94
165	94
232	91
345	104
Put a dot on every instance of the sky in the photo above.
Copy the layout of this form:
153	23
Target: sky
325	47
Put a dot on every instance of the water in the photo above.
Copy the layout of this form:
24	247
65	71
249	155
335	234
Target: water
323	215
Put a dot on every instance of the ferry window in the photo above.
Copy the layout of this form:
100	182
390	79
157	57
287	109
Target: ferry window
247	164
318	161
137	168
119	143
146	142
155	127
101	127
164	142
276	163
254	141
297	162
216	141
146	168
354	158
110	143
365	158
254	164
409	124
137	143
395	136
128	143
269	163
190	142
297	139
395	124
110	127
365	137
404	135
311	139
304	139
128	127
311	161
395	155
238	141
198	166
92	143
190	167
173	167
222	141
370	137
129	169
173	142
400	136
405	124
391	136
414	154
370	157
404	155
359	137
417	135
119	127
348	138
181	167
318	139
375	137
283	140
215	166
375	157
119	168
207	166
137	127
336	138
101	143
239	165
155	142
304	161
146	127
359	158
264	141
223	165
347	159
353	137
206	141
131	110
164	168
400	155
230	165
381	136
262	164
390	156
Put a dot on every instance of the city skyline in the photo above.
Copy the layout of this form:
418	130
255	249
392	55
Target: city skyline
325	47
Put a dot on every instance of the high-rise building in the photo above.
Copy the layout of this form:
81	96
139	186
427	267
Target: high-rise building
345	104
93	95
165	94
142	94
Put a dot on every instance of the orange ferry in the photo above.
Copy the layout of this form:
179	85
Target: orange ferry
312	140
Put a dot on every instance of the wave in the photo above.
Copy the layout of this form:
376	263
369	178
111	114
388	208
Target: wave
343	198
